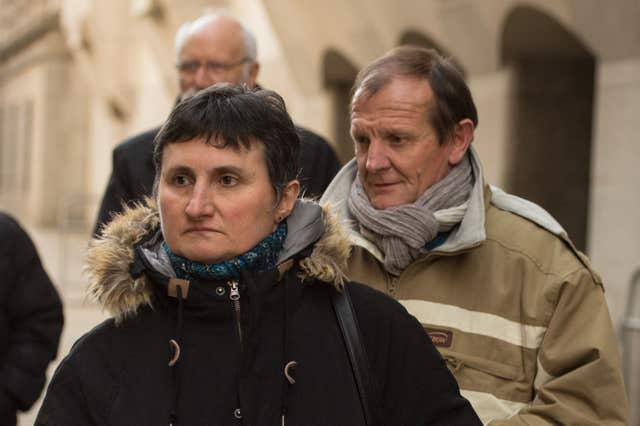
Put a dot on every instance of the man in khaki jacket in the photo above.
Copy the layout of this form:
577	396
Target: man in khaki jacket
516	311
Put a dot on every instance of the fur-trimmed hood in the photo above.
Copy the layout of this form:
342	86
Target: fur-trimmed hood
111	256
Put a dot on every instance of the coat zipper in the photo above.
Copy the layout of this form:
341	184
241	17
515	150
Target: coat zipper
234	295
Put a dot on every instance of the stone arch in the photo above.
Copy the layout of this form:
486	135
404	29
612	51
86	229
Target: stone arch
339	73
550	116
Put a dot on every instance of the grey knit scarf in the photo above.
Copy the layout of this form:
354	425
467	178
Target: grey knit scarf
401	232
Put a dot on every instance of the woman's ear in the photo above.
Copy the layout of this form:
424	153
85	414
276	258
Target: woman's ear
461	139
287	199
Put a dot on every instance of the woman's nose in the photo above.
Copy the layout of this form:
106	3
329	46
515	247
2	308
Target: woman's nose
200	203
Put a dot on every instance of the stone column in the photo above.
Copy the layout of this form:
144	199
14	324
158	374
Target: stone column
614	222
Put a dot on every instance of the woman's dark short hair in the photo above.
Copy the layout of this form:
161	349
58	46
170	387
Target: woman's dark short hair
452	98
233	115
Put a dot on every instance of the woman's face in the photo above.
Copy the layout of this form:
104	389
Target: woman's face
216	203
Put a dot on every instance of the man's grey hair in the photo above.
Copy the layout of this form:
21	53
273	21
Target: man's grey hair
185	30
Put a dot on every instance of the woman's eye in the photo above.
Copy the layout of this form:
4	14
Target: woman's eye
228	180
180	180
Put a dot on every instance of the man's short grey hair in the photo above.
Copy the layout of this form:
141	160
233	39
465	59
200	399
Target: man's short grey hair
250	44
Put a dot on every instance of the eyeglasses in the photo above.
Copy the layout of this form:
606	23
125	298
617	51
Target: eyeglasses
210	67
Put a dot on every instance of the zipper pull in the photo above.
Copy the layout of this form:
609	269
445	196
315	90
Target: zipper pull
234	294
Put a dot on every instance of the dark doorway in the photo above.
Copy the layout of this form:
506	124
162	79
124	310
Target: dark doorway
550	117
339	74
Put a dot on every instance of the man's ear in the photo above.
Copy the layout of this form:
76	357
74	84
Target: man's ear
252	79
288	199
461	140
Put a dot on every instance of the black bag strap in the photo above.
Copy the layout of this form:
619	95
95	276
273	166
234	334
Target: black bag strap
360	366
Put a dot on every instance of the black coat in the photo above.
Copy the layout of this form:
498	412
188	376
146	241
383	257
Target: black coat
30	321
118	374
133	171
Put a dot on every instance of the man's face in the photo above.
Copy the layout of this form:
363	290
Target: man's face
397	149
214	53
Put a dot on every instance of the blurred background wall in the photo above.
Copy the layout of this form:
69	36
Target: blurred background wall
556	82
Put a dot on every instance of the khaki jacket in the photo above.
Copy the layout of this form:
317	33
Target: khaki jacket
517	312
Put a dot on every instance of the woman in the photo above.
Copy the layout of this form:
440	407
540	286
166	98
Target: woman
222	295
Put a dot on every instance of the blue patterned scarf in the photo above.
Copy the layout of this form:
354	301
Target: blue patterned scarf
262	257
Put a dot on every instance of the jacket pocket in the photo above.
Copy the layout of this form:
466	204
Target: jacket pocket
458	361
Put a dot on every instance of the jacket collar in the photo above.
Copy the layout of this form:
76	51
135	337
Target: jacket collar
470	233
111	256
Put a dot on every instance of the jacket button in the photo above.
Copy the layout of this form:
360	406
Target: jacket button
237	413
220	291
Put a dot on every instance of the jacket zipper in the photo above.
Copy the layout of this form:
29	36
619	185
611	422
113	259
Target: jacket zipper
234	295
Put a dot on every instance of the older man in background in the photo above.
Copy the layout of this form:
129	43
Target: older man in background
515	309
215	48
